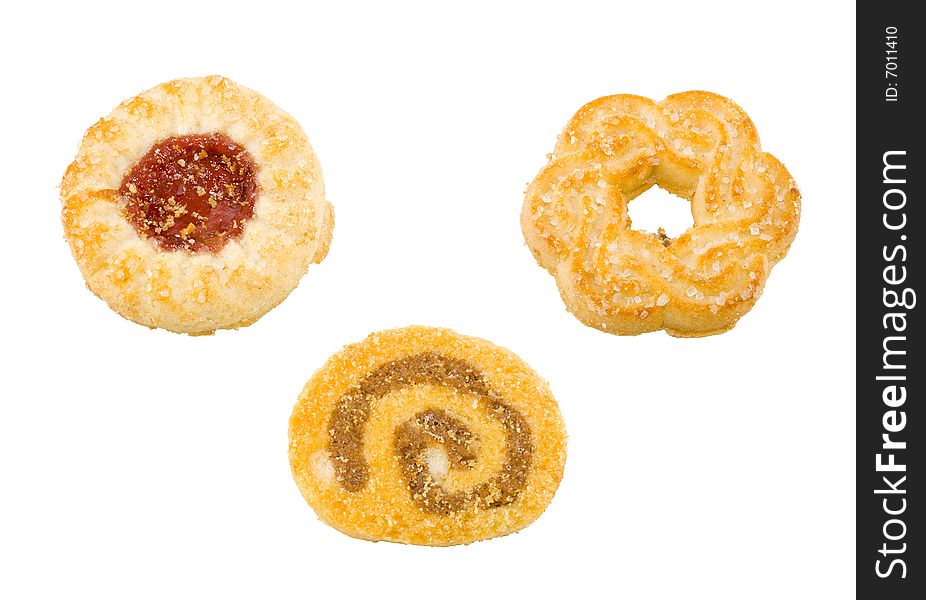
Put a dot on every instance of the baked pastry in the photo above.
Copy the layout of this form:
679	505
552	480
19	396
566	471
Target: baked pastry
697	145
196	205
424	436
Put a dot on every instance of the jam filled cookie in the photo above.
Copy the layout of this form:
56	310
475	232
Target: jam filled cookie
195	206
424	436
698	145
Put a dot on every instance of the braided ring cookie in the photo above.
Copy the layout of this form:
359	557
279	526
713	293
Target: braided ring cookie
424	436
196	205
698	145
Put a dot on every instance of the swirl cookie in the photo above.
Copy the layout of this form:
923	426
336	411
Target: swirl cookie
697	145
424	436
196	205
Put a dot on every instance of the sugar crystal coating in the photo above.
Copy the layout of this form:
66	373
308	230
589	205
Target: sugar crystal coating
697	145
424	436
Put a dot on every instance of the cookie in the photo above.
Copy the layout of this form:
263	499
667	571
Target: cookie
697	145
424	436
196	205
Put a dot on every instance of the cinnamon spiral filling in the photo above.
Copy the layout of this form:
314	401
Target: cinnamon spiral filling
429	427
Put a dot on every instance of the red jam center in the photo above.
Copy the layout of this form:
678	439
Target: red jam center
194	192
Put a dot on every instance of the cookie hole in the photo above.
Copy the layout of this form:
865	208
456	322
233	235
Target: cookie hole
657	208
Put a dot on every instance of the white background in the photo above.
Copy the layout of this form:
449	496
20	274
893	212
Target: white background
144	464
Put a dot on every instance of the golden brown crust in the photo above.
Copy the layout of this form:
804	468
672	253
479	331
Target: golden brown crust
698	145
200	292
424	436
